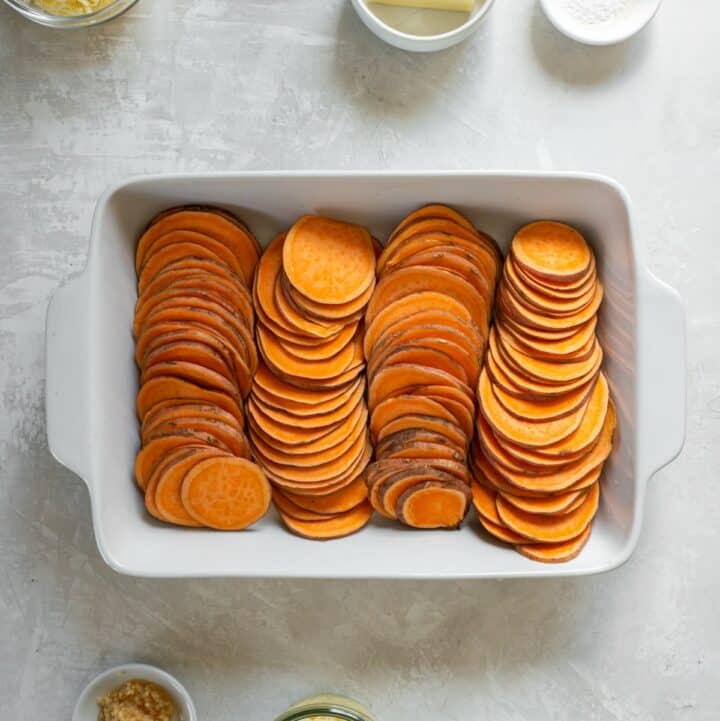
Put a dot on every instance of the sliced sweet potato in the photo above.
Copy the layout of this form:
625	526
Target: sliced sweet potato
344	524
276	357
558	349
563	477
545	371
551	505
433	211
153	452
397	379
297	456
542	334
502	533
542	301
181	237
434	505
417	354
522	385
556	552
329	261
420	451
487	475
180	268
483	499
330	471
152	480
328	312
339	502
158	415
551	250
449	429
190	372
234	236
452	259
233	438
526	317
325	486
412	475
190	352
165	490
270	383
458	345
531	434
556	289
398	406
550	529
289	508
309	441
406	281
316	403
322	350
535	411
317	420
168	256
226	493
299	321
483	258
171	388
409	305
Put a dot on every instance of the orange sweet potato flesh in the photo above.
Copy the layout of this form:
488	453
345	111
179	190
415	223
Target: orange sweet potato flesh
218	226
449	429
406	281
398	406
155	450
327	472
551	505
159	415
329	261
328	312
275	355
450	339
421	354
282	389
433	211
171	255
166	491
502	533
525	316
434	505
397	379
559	552
190	372
181	268
530	434
557	349
232	438
226	493
547	371
289	508
171	388
556	289
301	322
412	475
340	526
316	403
551	250
191	352
315	420
410	305
550	529
180	237
484	501
338	502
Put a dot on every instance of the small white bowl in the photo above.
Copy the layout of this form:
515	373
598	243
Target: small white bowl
87	709
417	30
628	22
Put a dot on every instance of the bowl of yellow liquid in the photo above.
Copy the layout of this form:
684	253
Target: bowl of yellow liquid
68	14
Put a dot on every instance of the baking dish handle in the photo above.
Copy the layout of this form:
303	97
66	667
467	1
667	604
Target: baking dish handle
662	374
67	354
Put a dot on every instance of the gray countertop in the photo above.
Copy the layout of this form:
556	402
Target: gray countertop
221	84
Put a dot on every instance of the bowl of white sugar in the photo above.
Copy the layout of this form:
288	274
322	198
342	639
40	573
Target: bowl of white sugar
600	22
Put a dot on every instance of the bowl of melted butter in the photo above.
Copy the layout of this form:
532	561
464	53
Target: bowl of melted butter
69	14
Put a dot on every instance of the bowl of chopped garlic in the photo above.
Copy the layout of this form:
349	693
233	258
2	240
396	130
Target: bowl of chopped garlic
134	692
423	26
69	14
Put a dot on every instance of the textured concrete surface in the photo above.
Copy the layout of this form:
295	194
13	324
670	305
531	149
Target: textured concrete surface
220	84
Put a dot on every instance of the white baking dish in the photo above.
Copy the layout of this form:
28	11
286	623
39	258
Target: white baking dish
92	380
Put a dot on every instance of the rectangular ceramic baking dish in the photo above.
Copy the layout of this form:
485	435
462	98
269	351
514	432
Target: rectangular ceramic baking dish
92	380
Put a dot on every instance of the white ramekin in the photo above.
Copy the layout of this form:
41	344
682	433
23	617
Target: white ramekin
421	43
